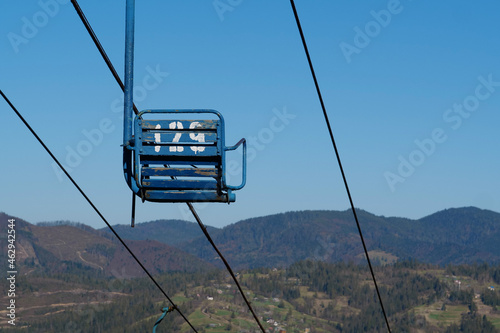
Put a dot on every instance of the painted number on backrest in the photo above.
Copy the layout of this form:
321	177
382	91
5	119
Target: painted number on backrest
157	138
200	137
177	137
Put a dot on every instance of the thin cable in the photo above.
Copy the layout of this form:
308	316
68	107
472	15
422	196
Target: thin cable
106	59
99	47
202	226
338	160
93	206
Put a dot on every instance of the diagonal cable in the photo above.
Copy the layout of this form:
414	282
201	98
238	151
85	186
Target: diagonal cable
93	206
112	69
99	47
205	231
338	160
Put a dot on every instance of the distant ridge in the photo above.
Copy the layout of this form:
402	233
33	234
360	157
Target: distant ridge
62	248
450	236
170	232
457	235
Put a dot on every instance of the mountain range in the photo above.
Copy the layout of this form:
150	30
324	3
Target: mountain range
451	236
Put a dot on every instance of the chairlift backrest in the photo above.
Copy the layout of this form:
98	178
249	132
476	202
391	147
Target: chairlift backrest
179	160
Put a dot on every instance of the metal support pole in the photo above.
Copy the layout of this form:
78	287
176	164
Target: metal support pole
129	72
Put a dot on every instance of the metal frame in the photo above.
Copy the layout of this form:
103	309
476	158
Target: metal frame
220	147
132	144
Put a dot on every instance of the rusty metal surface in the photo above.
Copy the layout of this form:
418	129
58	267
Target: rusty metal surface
189	196
165	124
179	172
180	184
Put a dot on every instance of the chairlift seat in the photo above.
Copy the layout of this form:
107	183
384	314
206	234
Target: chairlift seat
179	160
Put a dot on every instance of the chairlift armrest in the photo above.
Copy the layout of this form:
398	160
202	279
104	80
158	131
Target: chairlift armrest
244	177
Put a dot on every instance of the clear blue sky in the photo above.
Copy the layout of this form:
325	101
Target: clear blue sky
412	89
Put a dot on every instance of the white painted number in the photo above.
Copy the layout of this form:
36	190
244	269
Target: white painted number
177	136
200	137
157	138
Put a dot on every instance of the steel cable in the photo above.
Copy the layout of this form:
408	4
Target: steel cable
338	160
93	206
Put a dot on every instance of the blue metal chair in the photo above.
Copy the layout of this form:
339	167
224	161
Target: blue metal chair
179	160
171	159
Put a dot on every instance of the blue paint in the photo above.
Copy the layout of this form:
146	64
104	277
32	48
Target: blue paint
169	159
179	160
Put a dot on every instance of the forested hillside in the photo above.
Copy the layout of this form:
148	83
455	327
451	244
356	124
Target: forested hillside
308	295
303	272
462	235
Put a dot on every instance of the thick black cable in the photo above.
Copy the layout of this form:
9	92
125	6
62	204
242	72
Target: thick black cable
93	206
191	208
205	231
99	47
338	160
108	62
